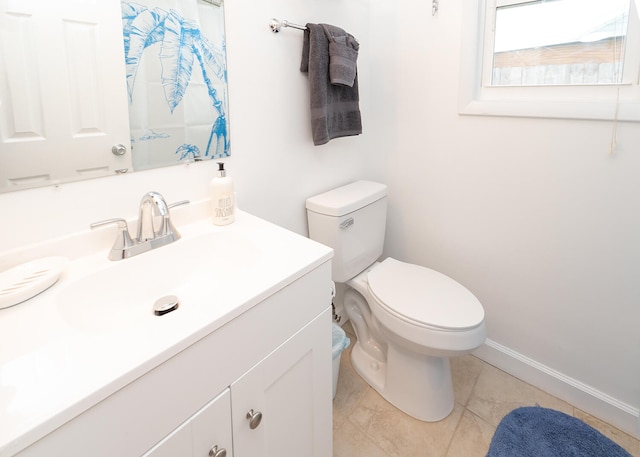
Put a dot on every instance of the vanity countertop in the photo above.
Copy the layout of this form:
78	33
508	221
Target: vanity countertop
54	365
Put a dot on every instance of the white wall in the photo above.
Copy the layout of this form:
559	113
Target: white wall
273	162
533	216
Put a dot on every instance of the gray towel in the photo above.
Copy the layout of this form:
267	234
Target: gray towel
343	54
335	110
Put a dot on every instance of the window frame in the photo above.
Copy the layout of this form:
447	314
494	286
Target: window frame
598	102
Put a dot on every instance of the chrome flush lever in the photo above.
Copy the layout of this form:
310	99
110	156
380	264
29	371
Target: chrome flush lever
347	223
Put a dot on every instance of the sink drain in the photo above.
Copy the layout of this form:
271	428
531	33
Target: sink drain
165	305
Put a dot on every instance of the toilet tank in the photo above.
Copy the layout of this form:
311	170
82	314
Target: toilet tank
350	219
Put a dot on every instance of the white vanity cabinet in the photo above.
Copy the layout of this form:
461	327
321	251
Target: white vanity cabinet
275	408
288	389
207	433
274	359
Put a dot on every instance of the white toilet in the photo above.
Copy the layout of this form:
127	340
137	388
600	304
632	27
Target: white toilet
408	319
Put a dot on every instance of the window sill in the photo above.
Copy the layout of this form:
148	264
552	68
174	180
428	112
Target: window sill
552	109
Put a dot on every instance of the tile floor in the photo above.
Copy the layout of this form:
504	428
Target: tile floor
364	424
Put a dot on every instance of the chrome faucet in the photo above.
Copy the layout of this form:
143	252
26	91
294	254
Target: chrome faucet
155	228
153	206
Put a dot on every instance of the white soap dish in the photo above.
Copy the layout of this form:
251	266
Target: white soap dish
27	280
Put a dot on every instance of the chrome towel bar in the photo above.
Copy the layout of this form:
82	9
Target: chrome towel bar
276	25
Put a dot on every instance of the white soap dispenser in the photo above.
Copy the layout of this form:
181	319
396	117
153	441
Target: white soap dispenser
222	197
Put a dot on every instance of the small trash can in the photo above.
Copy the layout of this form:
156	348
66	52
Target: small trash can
340	343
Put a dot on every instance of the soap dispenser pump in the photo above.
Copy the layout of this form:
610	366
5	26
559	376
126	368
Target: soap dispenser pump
222	197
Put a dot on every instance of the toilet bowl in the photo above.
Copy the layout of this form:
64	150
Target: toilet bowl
406	342
408	319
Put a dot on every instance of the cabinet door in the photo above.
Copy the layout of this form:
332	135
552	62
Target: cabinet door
291	390
177	444
211	428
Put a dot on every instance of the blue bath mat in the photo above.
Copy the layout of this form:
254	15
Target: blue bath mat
533	431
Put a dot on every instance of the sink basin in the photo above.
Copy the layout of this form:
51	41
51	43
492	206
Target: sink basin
198	270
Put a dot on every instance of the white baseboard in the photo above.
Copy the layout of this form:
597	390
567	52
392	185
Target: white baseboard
578	394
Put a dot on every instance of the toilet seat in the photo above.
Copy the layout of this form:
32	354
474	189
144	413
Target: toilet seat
423	297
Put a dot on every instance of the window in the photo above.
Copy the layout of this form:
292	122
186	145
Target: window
552	58
557	42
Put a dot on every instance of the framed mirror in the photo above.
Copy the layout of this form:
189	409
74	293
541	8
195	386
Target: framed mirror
92	88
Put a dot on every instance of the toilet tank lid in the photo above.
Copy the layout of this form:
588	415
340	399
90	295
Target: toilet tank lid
346	199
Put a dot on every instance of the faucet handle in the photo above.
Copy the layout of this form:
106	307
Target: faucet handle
180	203
123	239
167	229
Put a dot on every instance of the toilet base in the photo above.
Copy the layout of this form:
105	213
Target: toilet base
417	384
